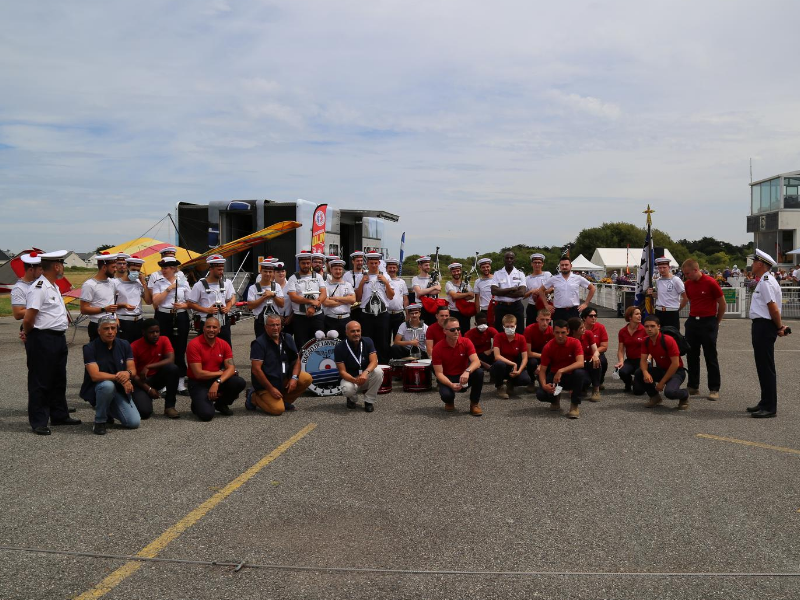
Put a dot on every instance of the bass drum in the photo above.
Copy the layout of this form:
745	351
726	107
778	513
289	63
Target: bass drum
316	358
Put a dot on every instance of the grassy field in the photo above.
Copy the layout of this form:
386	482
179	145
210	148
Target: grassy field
5	305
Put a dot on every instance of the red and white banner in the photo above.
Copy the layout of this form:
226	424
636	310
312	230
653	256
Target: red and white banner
318	229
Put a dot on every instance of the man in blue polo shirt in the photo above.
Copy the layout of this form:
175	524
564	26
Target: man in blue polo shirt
357	361
275	369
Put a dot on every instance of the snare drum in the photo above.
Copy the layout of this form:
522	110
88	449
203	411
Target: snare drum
386	386
416	377
396	367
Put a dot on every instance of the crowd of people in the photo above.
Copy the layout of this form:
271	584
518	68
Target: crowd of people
554	344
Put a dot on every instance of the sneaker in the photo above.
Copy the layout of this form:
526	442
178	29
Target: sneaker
502	393
248	401
713	395
368	406
99	429
449	407
683	404
595	397
289	407
351	404
172	413
182	385
654	401
573	413
475	410
693	391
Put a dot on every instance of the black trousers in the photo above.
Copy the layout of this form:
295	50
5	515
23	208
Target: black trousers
305	327
530	313
672	390
463	320
167	376
394	323
398	351
500	371
428	318
563	314
92	329
597	375
577	381
502	309
702	334
178	339
202	406
763	334
669	317
340	325
475	386
130	331
533	363
377	329
628	370
47	377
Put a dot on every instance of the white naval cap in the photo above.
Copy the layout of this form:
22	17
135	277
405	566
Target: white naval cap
455	265
123	255
32	258
331	257
134	260
318	255
538	255
662	260
304	254
423	259
484	260
336	262
267	264
392	261
374	255
54	255
762	256
169	261
279	266
172	249
105	257
414	306
215	259
356	254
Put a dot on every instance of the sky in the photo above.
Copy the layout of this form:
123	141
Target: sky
482	124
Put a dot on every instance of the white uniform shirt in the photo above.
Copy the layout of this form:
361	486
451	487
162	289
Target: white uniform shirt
46	298
352	279
669	292
305	285
796	274
534	282
99	294
287	306
252	295
215	294
400	291
421	282
483	288
566	291
504	280
183	291
410	333
337	290
767	290
373	296
19	293
130	293
158	276
452	287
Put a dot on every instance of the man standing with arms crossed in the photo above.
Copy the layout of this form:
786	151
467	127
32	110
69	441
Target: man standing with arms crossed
670	295
508	290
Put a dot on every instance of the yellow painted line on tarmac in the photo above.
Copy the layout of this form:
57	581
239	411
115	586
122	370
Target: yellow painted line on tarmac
748	443
156	546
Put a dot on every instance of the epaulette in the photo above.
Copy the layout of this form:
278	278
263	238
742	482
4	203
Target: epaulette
765	277
39	284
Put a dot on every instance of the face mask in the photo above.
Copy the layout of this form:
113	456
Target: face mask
483	327
510	330
133	275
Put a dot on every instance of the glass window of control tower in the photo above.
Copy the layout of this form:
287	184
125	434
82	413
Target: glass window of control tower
755	196
775	194
791	198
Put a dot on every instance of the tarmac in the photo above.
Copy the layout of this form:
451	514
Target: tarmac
409	501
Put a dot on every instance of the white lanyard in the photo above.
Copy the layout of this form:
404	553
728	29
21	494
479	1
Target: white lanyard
360	354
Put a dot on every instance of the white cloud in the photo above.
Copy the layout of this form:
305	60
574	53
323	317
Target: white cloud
587	104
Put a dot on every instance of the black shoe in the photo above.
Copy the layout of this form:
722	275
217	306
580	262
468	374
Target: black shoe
67	421
763	414
99	429
72	409
351	404
754	409
223	409
369	407
42	430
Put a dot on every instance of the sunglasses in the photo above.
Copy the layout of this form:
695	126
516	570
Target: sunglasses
592	316
453	329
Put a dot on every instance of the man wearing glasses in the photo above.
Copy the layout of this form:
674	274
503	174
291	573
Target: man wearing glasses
457	368
670	294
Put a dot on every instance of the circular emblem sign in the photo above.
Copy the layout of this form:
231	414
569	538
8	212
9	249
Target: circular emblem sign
317	360
319	219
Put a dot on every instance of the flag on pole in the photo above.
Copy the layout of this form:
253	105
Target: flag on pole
644	278
402	252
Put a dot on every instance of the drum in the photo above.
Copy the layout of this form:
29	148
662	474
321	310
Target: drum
386	386
396	367
416	377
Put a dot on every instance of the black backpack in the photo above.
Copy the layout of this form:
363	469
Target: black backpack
675	334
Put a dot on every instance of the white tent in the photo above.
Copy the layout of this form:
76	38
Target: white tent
617	259
583	264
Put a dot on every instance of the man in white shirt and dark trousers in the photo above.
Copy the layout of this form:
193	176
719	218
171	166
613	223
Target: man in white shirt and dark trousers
306	290
99	293
374	292
424	287
566	289
398	303
765	313
214	295
340	299
508	290
533	282
265	296
354	277
482	288
131	291
670	295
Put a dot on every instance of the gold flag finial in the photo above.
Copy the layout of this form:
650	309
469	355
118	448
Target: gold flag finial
648	212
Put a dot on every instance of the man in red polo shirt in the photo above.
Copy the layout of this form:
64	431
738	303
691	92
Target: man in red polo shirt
510	358
155	368
213	380
706	309
667	372
562	365
435	332
457	368
537	334
482	336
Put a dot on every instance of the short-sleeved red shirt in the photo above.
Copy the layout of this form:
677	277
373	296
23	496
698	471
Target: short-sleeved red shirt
703	295
632	343
662	357
453	360
599	332
481	341
587	339
510	349
211	358
536	337
434	333
558	356
146	354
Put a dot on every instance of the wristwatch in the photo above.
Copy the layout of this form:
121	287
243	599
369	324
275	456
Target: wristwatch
295	377
467	370
218	380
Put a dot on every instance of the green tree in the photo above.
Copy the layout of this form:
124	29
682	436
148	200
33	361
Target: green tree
102	247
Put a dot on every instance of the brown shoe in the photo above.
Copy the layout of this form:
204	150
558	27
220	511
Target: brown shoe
555	405
693	391
654	401
449	407
595	397
172	413
531	388
683	404
713	395
573	413
475	410
502	393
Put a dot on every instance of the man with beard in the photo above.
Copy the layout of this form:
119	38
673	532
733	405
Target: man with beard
265	296
214	295
99	293
566	286
339	300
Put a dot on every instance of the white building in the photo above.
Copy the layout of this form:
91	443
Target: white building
775	216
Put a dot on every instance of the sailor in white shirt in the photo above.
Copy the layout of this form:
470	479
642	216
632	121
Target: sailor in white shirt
482	288
354	277
508	290
131	291
410	337
44	325
318	264
458	289
566	291
424	287
670	295
265	296
397	304
170	299
307	292
341	297
214	295
374	292
99	293
170	251
19	293
765	313
534	283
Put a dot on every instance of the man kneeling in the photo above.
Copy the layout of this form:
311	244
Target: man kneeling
155	368
213	381
457	368
562	366
357	361
667	374
275	369
509	368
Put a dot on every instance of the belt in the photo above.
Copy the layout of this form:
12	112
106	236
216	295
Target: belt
49	331
698	318
567	307
302	314
168	311
395	312
507	301
338	316
129	317
665	309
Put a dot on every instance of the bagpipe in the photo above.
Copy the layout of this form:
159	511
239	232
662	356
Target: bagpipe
430	304
464	306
